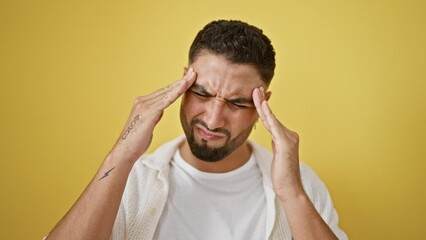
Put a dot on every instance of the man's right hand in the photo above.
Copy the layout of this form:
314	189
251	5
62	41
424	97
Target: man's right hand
144	116
94	213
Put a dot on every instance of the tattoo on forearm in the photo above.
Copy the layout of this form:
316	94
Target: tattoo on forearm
132	125
106	174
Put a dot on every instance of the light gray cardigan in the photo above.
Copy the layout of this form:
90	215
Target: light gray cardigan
147	187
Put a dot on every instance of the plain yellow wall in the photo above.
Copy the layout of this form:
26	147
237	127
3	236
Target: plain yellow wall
350	79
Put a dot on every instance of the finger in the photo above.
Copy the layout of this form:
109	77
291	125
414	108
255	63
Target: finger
280	134
268	109
258	99
274	124
178	89
183	81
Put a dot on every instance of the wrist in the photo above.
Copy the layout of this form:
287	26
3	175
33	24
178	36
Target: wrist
291	194
119	158
295	201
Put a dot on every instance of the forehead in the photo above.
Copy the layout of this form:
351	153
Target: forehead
223	78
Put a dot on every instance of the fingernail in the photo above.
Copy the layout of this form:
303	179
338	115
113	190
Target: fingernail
189	73
255	91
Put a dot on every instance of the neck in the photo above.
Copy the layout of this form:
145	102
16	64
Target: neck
235	160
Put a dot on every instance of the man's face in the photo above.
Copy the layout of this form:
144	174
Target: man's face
217	113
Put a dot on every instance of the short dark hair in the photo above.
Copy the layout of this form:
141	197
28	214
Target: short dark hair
238	42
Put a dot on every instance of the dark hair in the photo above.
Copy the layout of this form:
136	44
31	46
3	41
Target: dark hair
238	42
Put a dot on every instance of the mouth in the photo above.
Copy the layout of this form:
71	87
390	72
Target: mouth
208	135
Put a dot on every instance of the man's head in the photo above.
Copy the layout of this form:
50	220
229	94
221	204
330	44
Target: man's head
238	42
230	58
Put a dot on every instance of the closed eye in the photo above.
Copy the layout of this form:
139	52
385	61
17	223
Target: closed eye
239	105
242	103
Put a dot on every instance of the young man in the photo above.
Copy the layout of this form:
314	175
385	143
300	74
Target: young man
213	183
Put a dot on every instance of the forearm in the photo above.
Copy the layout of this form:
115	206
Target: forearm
305	222
94	213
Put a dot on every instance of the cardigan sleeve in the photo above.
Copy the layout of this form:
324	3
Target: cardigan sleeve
119	229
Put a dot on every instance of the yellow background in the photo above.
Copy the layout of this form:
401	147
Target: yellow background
350	79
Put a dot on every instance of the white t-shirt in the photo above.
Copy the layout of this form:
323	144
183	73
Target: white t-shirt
213	206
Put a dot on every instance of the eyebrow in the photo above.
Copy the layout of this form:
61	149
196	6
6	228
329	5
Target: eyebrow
201	89
241	100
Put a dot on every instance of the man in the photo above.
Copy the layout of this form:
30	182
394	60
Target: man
213	183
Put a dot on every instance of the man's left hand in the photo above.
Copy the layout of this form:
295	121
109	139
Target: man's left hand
285	144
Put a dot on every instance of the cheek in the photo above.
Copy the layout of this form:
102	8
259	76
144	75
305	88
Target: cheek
190	106
244	119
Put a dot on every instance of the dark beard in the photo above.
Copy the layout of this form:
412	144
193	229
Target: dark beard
210	154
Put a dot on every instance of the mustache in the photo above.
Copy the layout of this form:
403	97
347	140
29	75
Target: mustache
216	130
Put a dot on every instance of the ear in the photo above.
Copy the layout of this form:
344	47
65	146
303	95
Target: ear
268	95
185	70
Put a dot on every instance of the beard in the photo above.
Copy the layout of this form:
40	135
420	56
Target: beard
205	152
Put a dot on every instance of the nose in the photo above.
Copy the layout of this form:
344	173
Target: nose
214	115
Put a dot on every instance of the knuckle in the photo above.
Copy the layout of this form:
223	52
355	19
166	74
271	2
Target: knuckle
138	100
296	135
139	105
